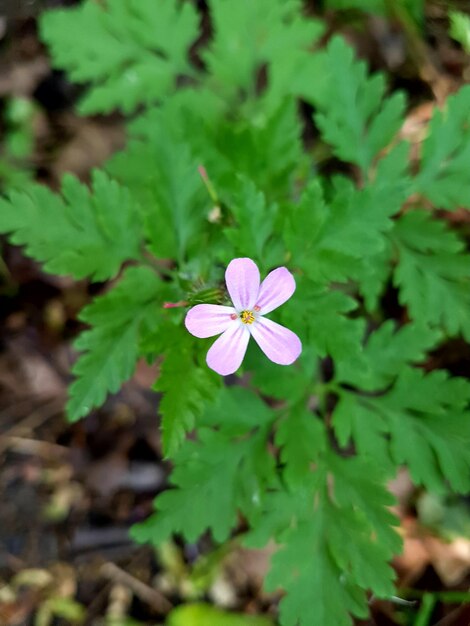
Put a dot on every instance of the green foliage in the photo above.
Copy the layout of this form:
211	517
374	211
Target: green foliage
221	471
323	576
321	314
301	437
131	54
433	272
222	162
174	214
250	36
403	9
266	150
82	233
443	175
353	115
206	615
110	348
460	28
402	421
253	226
387	351
420	420
370	6
338	241
273	381
17	143
182	404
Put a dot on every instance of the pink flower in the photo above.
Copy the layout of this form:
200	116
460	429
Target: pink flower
251	301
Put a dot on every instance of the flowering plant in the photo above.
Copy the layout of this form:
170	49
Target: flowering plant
251	301
301	446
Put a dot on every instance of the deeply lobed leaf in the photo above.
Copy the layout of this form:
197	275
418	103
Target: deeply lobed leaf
131	53
433	273
324	579
354	116
443	175
421	421
110	349
83	233
187	388
216	475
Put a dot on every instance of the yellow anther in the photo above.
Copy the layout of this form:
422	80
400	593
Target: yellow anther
247	317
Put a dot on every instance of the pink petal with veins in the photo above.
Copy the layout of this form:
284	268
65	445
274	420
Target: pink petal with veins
242	278
278	343
276	288
226	354
207	320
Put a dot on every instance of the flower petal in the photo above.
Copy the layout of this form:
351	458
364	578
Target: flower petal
276	288
227	352
242	278
207	320
278	343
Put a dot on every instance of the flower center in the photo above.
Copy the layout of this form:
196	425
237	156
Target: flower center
247	317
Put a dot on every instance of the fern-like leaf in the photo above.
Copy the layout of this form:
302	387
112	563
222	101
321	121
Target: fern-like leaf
110	347
83	233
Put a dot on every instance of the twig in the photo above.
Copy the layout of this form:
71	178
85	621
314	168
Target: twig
33	420
147	594
33	446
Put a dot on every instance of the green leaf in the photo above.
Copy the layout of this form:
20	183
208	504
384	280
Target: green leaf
132	54
316	595
431	430
237	411
207	615
398	8
110	348
460	29
386	352
249	35
266	149
84	233
324	578
276	381
433	273
443	175
421	422
163	173
307	239
320	314
326	234
356	490
252	234
354	116
204	496
301	437
331	331
369	6
373	275
187	388
356	421
215	475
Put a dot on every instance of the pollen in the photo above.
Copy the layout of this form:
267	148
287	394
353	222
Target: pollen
247	317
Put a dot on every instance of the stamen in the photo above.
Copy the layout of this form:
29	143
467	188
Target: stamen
233	316
257	308
247	317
